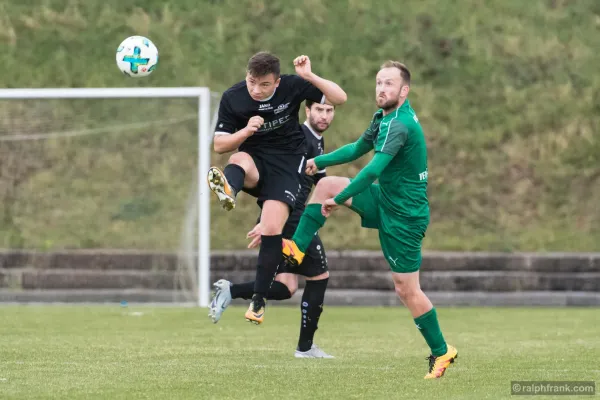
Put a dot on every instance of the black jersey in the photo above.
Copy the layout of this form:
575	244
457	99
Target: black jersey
315	146
281	132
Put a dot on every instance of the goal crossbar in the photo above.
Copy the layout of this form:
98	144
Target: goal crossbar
89	93
203	95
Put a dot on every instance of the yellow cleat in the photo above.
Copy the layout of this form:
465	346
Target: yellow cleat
291	253
218	184
256	316
438	365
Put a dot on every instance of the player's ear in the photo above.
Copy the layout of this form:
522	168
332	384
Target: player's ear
404	90
277	82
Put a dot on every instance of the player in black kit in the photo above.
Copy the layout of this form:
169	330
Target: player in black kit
259	117
314	265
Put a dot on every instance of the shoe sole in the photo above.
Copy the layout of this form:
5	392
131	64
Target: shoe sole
213	308
315	358
451	362
253	321
211	311
290	261
212	314
216	183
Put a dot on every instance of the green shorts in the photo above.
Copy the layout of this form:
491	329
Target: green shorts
400	239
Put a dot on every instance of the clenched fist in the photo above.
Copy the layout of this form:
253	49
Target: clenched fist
254	124
311	167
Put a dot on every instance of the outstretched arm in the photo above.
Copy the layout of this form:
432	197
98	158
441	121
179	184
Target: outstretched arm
387	145
365	177
334	94
344	154
331	90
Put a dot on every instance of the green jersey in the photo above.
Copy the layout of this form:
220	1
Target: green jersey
404	180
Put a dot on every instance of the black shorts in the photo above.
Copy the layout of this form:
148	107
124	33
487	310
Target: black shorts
280	177
314	263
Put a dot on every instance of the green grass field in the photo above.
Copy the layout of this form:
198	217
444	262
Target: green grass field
109	352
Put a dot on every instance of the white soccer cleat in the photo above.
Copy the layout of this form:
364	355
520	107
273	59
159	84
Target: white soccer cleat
221	300
314	352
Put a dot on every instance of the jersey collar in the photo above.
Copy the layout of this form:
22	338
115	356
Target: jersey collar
315	134
379	113
268	98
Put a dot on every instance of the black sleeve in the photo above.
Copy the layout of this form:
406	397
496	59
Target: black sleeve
321	174
321	152
311	149
227	120
306	90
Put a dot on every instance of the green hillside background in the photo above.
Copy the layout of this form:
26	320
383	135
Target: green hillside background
508	93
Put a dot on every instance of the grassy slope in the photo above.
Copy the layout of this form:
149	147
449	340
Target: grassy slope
507	91
104	352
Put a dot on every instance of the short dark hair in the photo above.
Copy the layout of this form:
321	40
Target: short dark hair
262	64
404	72
309	103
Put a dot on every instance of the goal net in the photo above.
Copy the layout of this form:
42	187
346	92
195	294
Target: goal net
99	194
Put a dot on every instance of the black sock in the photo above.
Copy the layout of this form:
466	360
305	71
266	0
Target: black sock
278	291
312	307
242	290
269	258
235	176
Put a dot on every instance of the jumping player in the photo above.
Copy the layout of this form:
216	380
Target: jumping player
260	117
313	267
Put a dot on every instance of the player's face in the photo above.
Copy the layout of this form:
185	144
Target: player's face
320	116
390	88
261	87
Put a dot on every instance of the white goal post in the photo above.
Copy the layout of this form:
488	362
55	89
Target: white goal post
203	95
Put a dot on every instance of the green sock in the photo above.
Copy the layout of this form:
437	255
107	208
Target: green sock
430	329
311	221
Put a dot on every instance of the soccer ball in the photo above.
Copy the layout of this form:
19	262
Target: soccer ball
137	56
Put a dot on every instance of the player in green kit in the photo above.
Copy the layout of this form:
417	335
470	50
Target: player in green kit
398	206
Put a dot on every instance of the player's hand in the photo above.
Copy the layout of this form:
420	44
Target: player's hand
311	167
328	207
254	124
255	235
302	65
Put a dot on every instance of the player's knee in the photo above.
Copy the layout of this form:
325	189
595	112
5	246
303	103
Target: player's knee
399	292
293	289
322	190
405	295
273	217
242	159
324	275
324	185
271	227
406	290
270	230
290	281
329	187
